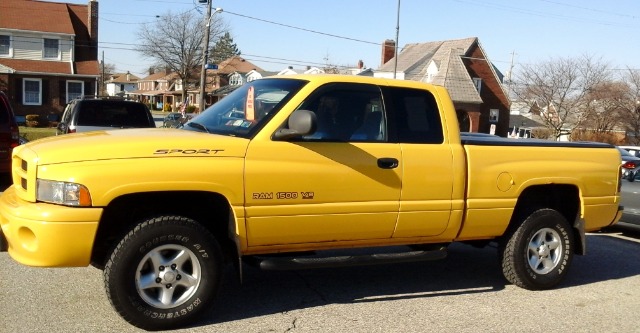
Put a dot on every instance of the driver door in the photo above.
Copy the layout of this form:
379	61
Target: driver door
326	187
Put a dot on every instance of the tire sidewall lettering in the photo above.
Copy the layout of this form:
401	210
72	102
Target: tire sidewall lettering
170	313
173	239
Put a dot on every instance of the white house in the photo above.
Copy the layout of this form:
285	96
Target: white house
121	83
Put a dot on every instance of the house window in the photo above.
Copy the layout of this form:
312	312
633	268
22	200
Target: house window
51	48
32	89
478	83
493	115
5	45
75	89
235	80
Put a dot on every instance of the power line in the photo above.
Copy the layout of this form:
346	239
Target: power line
303	29
543	14
591	9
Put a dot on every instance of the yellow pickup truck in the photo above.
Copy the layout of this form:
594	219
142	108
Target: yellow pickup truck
295	172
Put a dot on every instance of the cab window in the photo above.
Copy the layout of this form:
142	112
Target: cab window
347	112
415	116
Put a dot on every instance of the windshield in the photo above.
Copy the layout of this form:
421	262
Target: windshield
623	152
243	112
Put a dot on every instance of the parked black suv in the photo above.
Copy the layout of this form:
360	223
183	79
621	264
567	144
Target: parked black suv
9	134
103	113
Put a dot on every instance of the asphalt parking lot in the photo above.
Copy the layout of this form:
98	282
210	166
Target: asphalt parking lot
463	293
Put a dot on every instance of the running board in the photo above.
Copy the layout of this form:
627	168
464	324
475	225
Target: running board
297	263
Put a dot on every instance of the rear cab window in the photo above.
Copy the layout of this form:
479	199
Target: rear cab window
415	116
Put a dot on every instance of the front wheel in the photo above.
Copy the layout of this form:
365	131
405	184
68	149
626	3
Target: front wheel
163	273
537	254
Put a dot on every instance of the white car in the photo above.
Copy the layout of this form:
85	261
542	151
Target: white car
630	163
633	150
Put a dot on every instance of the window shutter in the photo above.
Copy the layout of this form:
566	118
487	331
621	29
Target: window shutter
88	87
46	94
62	92
17	88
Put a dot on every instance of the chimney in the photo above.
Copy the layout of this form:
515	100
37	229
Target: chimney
151	70
388	50
92	25
360	64
290	67
128	76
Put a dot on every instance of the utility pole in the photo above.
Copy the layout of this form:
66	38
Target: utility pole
101	83
205	54
513	53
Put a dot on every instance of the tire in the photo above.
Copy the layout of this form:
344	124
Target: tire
537	254
631	176
163	273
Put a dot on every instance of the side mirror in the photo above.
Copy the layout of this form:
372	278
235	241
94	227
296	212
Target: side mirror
301	123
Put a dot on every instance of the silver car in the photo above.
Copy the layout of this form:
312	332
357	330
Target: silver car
92	114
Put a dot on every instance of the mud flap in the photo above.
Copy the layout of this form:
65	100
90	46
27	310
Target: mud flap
581	246
3	243
233	236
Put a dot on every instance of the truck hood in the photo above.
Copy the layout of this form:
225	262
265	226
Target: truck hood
132	143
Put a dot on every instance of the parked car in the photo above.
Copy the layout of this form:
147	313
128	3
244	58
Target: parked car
630	164
633	150
9	133
176	119
91	114
630	199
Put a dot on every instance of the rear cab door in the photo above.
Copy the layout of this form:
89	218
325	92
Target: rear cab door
433	176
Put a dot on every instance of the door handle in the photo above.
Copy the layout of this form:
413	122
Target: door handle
387	163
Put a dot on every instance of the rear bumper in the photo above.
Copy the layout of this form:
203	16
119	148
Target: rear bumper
46	235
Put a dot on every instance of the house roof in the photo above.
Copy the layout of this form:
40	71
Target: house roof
54	17
156	76
516	120
414	60
236	64
123	78
50	67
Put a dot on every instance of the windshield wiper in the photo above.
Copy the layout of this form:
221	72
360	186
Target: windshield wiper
198	126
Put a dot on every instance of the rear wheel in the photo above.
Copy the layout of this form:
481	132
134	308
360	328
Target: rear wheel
537	254
163	273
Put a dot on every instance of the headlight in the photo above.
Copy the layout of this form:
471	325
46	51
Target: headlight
70	194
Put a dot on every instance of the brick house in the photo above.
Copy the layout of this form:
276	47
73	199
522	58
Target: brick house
461	66
159	90
48	54
230	74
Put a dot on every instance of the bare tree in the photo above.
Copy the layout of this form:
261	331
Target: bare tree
175	42
560	87
630	105
602	107
105	71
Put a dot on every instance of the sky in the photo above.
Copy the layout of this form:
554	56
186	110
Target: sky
280	33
